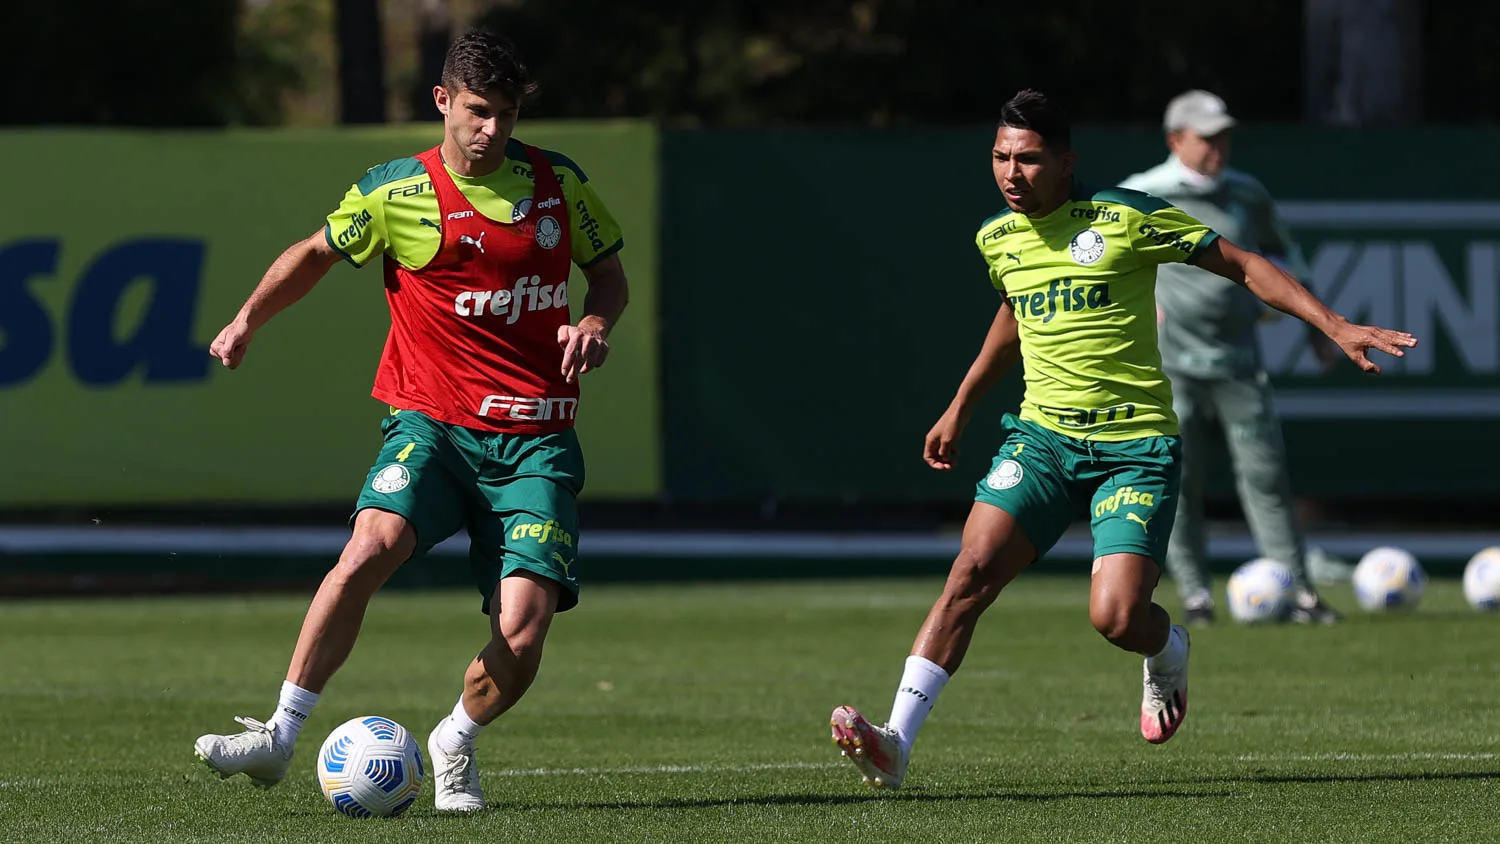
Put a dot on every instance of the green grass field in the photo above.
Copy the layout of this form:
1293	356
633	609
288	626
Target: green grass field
699	713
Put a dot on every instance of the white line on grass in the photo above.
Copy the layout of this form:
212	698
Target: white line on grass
1369	757
662	769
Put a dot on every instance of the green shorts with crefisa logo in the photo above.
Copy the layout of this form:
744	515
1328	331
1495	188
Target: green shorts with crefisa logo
516	493
1044	479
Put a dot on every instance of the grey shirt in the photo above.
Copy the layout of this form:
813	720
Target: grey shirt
1208	324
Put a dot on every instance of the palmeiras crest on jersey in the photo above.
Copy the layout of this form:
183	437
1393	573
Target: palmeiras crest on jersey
1087	247
519	211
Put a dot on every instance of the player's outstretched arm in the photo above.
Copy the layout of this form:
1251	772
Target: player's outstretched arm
1288	259
585	345
289	278
1001	350
1282	292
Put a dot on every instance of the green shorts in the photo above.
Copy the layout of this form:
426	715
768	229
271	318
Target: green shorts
516	493
1045	479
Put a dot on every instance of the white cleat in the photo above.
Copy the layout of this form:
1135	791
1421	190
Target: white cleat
876	751
1164	699
254	753
455	778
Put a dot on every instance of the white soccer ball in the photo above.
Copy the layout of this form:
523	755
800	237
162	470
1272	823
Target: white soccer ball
1388	578
370	767
1260	591
1482	580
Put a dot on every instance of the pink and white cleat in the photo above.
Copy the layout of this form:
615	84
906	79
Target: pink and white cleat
1164	702
876	751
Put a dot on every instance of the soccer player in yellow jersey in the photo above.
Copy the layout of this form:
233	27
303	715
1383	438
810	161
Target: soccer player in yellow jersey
1076	272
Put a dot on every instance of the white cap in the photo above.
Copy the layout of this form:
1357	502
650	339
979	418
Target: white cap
1202	112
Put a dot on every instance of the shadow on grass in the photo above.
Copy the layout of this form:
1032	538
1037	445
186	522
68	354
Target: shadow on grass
919	795
1390	776
905	796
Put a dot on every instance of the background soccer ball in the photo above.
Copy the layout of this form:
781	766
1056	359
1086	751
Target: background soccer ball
1482	580
370	767
1260	591
1388	578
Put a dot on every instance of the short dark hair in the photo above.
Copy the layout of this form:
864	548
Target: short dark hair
1031	109
486	62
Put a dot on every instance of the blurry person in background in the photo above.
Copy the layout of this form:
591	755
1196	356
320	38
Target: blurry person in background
1210	351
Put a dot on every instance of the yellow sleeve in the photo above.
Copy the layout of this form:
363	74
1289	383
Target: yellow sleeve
357	229
596	234
1167	235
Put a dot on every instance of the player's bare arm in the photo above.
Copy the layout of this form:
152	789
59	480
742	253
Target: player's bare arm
585	345
1282	292
1323	349
1001	350
288	279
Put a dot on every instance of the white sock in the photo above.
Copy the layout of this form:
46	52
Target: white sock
921	681
1171	654
458	730
292	709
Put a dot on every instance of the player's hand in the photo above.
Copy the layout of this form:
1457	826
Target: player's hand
1324	350
584	350
941	447
229	347
1357	340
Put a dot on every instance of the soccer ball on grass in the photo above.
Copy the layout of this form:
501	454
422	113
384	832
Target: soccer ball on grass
1482	580
1260	591
1388	578
370	767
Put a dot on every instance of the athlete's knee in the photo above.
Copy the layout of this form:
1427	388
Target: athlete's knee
378	546
516	645
976	578
506	665
1118	619
379	533
525	643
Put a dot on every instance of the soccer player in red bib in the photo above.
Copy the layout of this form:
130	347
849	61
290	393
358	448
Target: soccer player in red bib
477	237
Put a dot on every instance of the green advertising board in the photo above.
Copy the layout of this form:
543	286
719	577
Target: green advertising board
820	298
845	263
122	254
